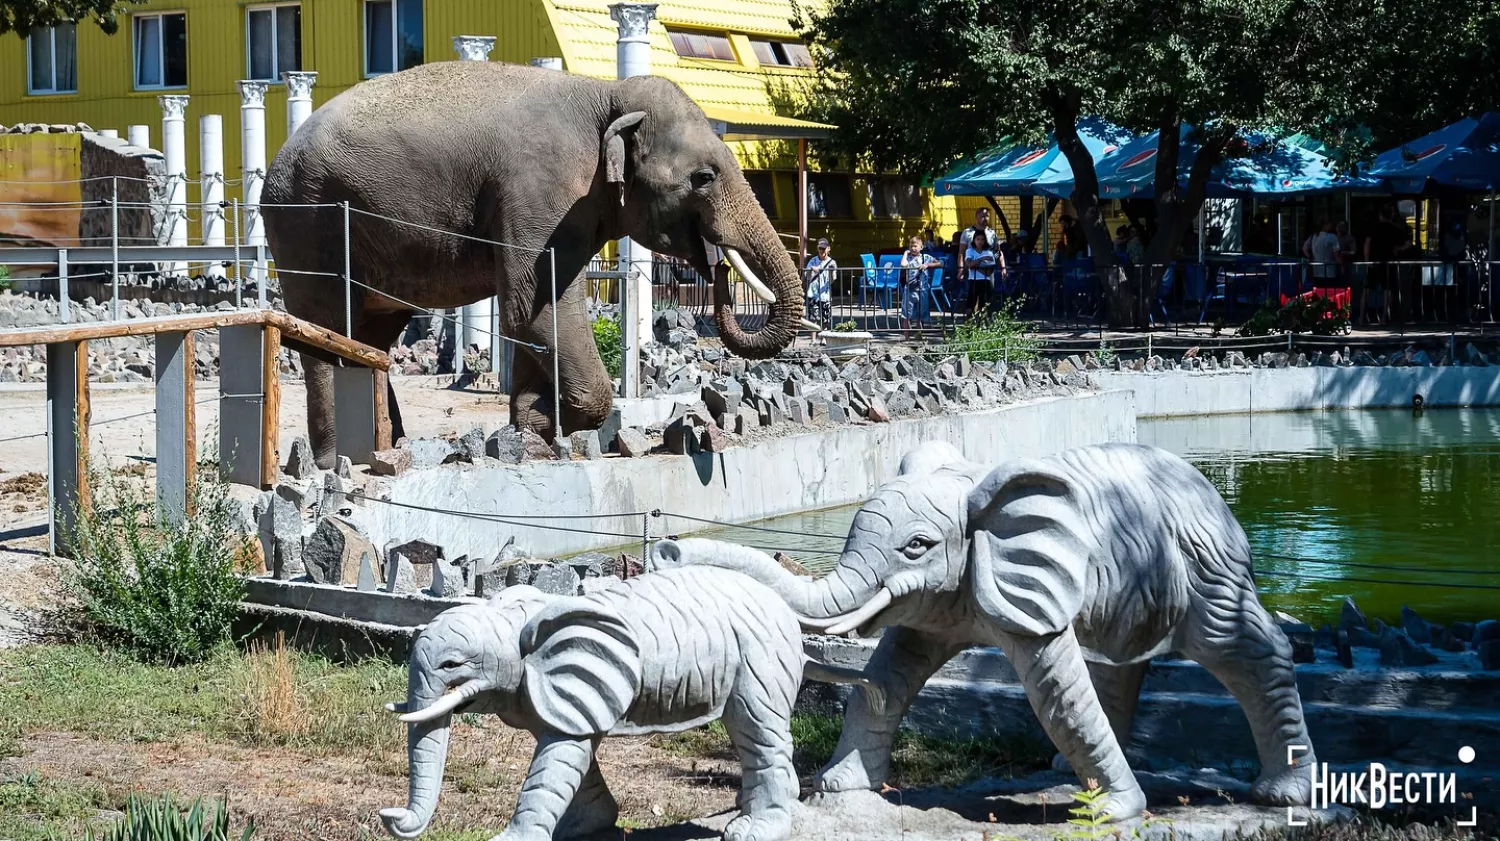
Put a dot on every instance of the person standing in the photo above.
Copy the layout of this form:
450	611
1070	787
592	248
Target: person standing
1324	250
916	289
819	272
981	263
1347	248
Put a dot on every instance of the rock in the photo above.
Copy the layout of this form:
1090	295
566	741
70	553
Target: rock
1362	637
745	420
429	452
281	537
797	411
681	437
562	449
506	445
625	566
450	579
631	443
419	552
536	447
471	446
557	579
333	497
586	443
370	574
1345	650
1462	630
1415	626
1397	649
1473	356
610	427
889	371
1489	655
901	402
345	467
1486	631
1444	640
1301	637
591	564
1350	617
818	410
837	413
722	396
300	464
335	552
490	576
1325	637
713	440
877	411
402	578
390	462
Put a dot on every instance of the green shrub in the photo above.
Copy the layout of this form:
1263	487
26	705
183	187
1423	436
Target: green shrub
845	326
162	819
1319	316
165	593
4	278
994	335
607	339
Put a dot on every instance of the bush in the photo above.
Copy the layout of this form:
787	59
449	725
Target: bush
1319	316
163	819
607	339
845	326
4	278
165	593
994	335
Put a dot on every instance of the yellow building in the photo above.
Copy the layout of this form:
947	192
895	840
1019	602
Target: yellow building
736	58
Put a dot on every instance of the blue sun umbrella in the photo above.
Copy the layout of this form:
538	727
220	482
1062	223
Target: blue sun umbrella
1014	169
1464	155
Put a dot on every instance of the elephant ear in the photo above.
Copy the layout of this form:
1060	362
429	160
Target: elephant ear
928	457
1029	547
614	148
581	666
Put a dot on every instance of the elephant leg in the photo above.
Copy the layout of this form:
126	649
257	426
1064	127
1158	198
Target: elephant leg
1052	670
1243	648
317	374
1118	689
528	408
758	719
558	770
901	665
593	807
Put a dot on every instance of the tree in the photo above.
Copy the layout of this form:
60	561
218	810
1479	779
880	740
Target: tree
21	16
918	84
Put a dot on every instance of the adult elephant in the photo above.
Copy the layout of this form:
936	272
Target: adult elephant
1081	567
443	162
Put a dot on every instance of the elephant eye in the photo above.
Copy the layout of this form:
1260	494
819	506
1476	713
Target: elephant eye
916	547
704	177
450	664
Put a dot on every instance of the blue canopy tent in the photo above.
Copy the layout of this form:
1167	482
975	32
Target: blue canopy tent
1464	155
1013	169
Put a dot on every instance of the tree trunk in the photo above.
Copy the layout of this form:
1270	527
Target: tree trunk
1176	206
1115	295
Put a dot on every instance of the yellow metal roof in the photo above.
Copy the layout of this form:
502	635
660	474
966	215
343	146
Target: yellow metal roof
735	124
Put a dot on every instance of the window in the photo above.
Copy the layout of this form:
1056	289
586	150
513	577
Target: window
763	187
161	51
53	59
393	35
273	38
782	53
702	45
894	198
828	196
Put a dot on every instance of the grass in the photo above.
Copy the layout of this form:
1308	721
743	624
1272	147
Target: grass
33	808
269	697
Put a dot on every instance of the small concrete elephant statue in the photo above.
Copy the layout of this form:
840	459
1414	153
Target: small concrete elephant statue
659	653
1081	567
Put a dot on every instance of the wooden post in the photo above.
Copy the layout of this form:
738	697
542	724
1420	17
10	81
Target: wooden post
67	440
176	426
355	411
383	409
241	404
270	415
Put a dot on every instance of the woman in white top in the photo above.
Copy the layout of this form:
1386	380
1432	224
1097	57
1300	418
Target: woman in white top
981	263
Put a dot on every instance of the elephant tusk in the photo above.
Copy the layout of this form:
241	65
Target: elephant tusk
396	707
864	614
739	265
442	706
812	326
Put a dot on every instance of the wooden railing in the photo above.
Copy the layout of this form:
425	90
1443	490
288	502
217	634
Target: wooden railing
249	402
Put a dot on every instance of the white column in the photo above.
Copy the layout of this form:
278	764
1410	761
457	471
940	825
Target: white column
174	149
139	136
109	132
549	63
298	98
633	58
211	187
474	319
253	169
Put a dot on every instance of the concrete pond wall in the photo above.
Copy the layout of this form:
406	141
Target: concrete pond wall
766	478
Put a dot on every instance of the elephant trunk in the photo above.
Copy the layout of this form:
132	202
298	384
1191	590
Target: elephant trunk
764	256
829	604
427	754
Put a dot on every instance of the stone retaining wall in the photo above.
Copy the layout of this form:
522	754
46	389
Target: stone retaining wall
1245	390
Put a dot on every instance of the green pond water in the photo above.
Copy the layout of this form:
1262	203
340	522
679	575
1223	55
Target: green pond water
1389	507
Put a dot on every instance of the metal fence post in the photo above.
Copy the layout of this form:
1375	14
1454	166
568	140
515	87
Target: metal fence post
556	374
64	302
114	244
262	275
348	290
239	267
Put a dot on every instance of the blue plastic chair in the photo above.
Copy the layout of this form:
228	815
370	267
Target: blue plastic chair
868	280
888	277
936	292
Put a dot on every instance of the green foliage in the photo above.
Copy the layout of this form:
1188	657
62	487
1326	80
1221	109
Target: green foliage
1319	316
1089	822
1259	324
166	593
163	819
26	15
607	338
995	335
1105	355
845	326
4	278
35	807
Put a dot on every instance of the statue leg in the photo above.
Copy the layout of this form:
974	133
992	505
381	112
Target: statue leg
557	773
1052	670
1118	689
593	807
901	665
1243	648
758	719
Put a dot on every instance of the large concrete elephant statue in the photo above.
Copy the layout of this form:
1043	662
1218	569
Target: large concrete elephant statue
1080	567
466	154
659	653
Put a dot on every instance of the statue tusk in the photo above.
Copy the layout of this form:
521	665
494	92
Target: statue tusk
816	328
859	617
396	707
749	277
442	706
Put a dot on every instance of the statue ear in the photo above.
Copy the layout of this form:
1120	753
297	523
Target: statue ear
581	666
614	148
928	456
1029	547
